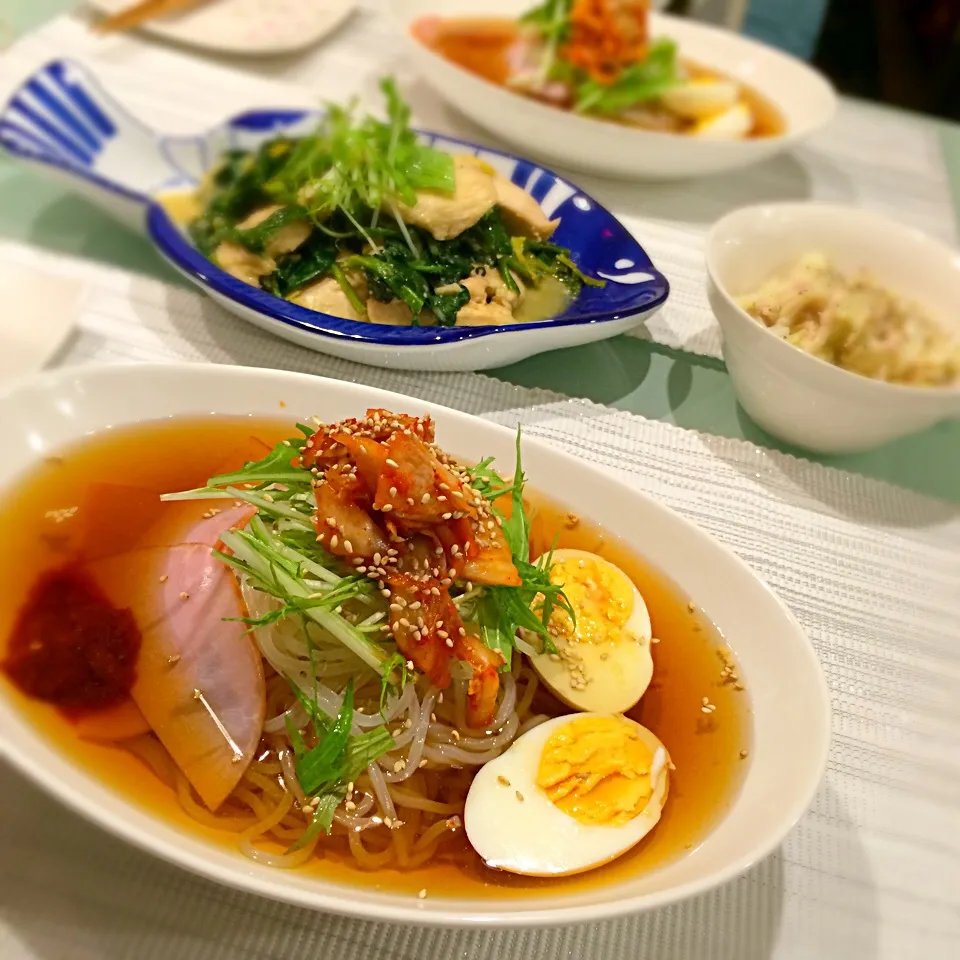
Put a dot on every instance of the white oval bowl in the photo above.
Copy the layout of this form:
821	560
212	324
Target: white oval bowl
788	695
801	398
804	98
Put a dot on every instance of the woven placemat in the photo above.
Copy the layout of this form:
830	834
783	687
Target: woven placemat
872	572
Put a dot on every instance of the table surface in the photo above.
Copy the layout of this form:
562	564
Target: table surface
624	373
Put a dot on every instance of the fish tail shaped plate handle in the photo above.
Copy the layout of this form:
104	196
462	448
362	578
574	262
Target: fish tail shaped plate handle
62	120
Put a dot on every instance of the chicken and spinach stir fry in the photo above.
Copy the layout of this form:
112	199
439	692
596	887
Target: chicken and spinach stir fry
362	221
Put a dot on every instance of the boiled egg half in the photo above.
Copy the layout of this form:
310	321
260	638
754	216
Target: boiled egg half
569	795
603	660
733	124
697	99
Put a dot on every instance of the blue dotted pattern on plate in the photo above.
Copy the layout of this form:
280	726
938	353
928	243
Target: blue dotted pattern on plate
62	117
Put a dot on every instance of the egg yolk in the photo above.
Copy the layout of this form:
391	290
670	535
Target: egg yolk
600	594
597	770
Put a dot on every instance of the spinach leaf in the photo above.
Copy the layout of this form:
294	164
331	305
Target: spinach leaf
386	274
256	238
446	306
310	261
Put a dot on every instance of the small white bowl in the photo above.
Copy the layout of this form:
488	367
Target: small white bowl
804	98
789	699
798	397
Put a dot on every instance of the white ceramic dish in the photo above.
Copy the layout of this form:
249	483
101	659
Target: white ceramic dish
788	694
805	99
800	398
246	27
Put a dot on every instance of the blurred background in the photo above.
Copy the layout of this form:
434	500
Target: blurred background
902	52
905	53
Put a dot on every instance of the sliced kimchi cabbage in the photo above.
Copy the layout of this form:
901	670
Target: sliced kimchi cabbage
389	501
369	515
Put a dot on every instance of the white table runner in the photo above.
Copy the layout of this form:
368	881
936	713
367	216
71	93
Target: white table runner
872	572
868	156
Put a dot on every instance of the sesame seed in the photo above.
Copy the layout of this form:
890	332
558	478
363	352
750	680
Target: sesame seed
744	754
348	546
173	658
184	596
333	542
448	642
393	491
422	895
423	763
392	463
455	734
164	578
503	781
400	764
386	508
350	805
446	516
520	796
425	498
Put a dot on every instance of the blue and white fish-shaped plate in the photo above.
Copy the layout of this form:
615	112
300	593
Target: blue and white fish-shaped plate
62	121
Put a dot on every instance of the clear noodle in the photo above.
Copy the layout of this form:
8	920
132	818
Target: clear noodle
405	806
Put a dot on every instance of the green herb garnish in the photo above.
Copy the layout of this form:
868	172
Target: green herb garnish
338	758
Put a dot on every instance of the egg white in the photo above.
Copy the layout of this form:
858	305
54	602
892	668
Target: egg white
732	124
619	672
532	836
697	99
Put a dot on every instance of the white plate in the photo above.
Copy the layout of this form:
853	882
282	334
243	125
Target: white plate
788	694
39	312
805	99
252	27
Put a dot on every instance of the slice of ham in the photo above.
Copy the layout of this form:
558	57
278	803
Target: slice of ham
208	530
199	680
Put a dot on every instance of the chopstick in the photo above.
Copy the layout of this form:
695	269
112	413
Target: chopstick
133	16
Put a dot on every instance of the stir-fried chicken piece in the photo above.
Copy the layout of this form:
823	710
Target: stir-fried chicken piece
446	215
521	214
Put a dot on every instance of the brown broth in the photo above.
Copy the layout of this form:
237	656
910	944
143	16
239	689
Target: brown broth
706	749
482	46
